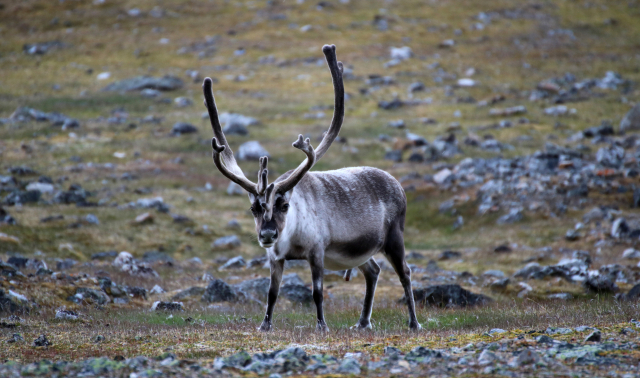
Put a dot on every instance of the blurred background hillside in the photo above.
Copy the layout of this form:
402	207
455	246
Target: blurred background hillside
504	121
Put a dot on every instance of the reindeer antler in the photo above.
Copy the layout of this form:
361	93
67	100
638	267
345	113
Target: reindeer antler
230	167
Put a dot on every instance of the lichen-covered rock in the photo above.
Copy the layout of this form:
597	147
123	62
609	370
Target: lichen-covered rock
448	295
219	291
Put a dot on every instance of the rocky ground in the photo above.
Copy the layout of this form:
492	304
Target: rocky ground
514	128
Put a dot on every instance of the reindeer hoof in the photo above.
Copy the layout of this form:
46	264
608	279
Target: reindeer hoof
322	327
265	327
362	327
415	326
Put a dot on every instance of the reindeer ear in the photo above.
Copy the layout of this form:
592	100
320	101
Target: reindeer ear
252	197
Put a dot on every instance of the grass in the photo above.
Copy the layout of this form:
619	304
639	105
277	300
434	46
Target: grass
209	333
510	55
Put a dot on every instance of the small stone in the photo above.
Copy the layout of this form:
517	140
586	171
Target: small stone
631	253
234	263
182	128
167	306
594	336
226	242
251	150
144	218
544	339
41	341
156	290
486	357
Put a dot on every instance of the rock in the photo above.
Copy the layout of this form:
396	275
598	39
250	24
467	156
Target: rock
525	289
257	262
190	292
525	357
167	306
514	215
41	48
65	264
294	290
572	235
88	295
156	290
556	110
17	261
349	366
235	190
40	187
594	337
219	291
63	314
156	256
560	296
5	238
600	283
631	253
144	218
181	128
75	195
122	259
506	112
251	150
448	295
619	228
235	129
15	338
611	157
92	219
486	357
544	339
238	360
595	214
466	82
400	53
393	155
41	341
6	218
166	83
494	273
558	331
18	197
448	255
182	102
397	124
234	263
226	242
442	176
498	331
499	285
631	120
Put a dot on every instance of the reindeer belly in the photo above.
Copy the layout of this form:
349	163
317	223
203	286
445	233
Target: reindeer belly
352	253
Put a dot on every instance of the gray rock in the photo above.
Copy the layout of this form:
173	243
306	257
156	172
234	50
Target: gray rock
393	155
226	242
66	315
594	337
619	228
528	270
525	357
558	331
85	294
296	293
8	304
181	128
631	253
234	263
235	190
166	83
156	256
514	215
494	273
447	295
41	341
190	292
544	339
560	296
611	157
349	366
600	283
486	357
92	219
41	48
65	264
167	306
235	129
219	291
251	150
631	120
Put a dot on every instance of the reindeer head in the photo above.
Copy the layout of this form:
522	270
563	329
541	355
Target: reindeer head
270	202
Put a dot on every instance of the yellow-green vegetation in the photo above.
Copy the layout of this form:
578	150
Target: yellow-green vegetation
277	76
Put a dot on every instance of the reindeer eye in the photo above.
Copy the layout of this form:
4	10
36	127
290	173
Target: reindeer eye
285	207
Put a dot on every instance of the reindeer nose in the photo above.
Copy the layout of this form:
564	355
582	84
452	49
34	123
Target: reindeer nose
268	235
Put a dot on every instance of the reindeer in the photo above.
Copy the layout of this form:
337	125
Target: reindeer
335	219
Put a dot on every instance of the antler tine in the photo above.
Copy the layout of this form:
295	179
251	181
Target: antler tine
336	69
294	178
263	174
231	170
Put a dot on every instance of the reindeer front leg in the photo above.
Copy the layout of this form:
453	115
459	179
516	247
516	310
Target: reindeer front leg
316	261
277	267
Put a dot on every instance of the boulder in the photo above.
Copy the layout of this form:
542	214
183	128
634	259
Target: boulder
448	295
219	291
181	128
631	120
138	83
251	150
